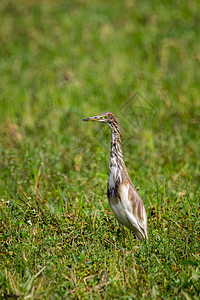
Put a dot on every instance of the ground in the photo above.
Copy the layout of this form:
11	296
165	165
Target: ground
61	61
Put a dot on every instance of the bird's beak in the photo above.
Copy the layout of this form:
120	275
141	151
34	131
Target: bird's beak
97	118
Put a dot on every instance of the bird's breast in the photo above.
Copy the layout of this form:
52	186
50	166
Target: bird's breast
114	174
119	203
119	210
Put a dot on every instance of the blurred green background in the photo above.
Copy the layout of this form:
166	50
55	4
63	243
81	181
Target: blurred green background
61	61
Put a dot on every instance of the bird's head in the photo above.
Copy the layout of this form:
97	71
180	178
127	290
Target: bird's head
107	117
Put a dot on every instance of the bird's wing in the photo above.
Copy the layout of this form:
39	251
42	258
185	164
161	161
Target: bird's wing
134	208
141	231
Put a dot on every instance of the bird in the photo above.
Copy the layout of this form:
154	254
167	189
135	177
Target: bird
123	197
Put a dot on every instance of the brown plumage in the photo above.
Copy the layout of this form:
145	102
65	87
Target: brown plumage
123	198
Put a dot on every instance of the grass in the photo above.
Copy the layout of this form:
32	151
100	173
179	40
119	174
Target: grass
61	61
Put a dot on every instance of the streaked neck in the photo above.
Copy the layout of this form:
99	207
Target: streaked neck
116	155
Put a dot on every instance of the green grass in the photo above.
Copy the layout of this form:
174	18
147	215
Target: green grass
61	61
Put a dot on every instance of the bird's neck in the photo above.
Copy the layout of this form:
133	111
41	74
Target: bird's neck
116	156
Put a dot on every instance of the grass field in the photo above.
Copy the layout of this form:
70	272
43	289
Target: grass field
61	61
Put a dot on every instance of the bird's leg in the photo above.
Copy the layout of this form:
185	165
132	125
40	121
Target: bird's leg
124	233
122	227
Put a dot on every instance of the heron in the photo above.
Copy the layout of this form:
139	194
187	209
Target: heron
123	197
